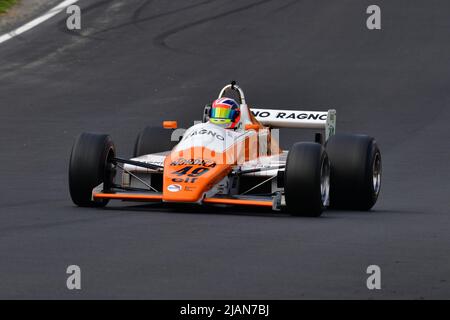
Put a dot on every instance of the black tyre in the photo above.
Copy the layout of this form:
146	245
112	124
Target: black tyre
89	166
153	140
306	179
355	171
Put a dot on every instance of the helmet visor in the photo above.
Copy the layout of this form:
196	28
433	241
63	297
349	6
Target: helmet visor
222	112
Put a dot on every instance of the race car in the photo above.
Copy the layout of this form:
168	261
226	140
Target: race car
232	157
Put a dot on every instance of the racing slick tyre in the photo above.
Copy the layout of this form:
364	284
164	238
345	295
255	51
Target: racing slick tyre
355	171
307	179
90	166
153	140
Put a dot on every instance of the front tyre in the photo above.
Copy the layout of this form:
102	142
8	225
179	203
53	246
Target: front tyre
90	165
307	179
355	171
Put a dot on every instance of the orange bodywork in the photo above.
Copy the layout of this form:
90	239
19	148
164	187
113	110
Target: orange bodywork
188	174
239	202
170	124
129	196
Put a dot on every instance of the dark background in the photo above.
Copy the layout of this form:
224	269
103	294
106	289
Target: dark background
136	63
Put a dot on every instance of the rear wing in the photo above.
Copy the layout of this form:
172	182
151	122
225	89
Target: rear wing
298	119
285	118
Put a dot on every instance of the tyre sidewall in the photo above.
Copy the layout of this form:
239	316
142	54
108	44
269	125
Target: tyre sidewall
352	158
87	167
303	179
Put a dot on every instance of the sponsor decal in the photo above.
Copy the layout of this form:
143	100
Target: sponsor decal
207	132
196	162
261	114
290	115
174	188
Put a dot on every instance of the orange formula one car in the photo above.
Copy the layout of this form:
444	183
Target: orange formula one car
232	157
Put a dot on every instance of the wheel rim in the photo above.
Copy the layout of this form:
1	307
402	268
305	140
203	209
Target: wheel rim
325	182
376	174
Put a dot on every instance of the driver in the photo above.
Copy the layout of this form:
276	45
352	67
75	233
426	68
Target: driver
225	112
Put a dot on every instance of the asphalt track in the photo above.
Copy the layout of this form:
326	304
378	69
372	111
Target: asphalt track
135	63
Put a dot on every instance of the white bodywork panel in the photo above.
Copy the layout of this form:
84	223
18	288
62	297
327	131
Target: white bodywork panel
265	162
291	118
262	162
154	158
207	135
211	136
210	132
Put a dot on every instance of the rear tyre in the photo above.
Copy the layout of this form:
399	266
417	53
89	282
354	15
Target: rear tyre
355	171
153	140
307	179
90	165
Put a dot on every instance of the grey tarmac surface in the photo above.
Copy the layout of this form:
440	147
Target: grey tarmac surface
136	63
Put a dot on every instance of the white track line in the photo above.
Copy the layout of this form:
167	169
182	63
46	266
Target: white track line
33	23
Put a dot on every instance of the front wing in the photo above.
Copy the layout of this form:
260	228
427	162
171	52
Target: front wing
255	201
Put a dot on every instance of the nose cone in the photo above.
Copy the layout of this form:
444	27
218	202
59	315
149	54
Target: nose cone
187	178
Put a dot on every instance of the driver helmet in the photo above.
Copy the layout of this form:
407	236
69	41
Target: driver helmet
225	112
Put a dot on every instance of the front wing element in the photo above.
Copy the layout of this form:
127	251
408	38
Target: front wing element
268	202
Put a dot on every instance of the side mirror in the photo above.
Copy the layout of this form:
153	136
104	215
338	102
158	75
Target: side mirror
206	112
170	124
252	126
